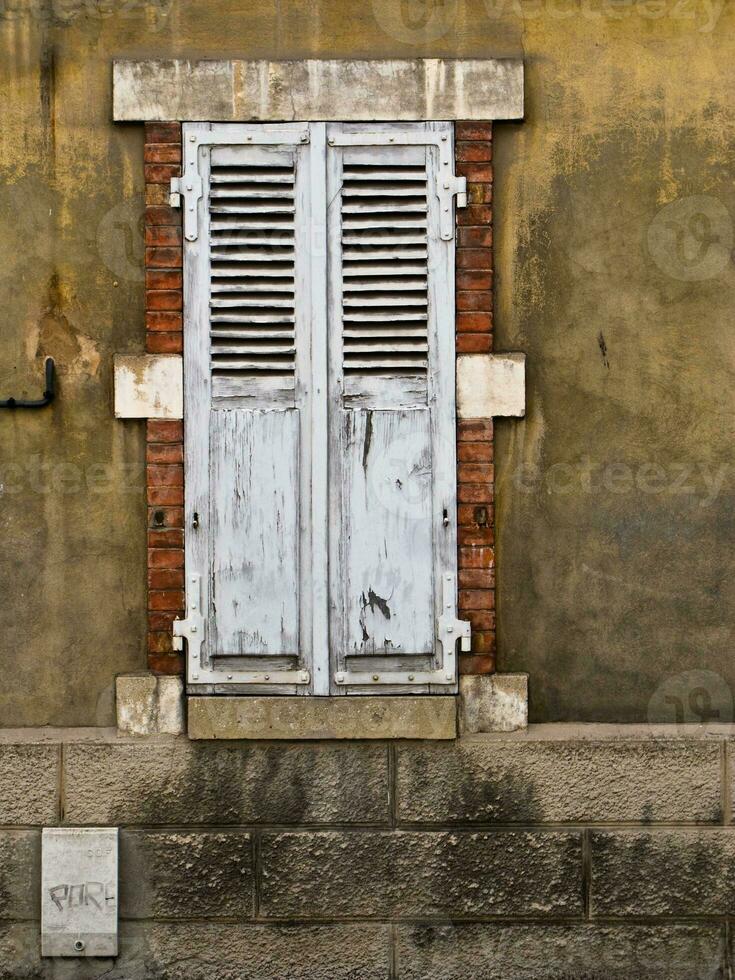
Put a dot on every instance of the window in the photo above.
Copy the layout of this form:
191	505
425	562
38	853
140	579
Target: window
319	408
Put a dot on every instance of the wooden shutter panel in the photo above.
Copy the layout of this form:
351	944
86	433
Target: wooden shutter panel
392	471
247	412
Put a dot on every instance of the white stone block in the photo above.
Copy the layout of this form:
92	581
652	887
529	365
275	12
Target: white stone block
491	385
313	89
493	703
149	705
149	386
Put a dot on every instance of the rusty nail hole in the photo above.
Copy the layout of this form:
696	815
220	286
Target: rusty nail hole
481	516
159	518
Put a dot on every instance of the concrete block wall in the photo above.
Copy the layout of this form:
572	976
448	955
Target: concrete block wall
574	852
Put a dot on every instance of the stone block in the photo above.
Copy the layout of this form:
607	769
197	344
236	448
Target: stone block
675	873
29	783
316	89
149	704
393	875
493	703
149	386
174	781
543	777
322	718
491	385
186	874
539	951
210	951
20	874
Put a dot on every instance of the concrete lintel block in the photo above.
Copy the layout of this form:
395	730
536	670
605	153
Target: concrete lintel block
322	718
491	385
149	386
493	703
316	89
149	705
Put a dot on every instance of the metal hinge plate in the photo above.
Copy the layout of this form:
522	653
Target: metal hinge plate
447	183
187	190
199	671
450	629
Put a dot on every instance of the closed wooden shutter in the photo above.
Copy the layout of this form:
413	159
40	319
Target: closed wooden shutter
392	456
247	414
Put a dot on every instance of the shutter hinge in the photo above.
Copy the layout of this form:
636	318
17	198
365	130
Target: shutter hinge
191	628
451	628
448	184
187	189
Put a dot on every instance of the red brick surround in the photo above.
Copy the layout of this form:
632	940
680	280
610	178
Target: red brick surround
475	475
164	449
164	439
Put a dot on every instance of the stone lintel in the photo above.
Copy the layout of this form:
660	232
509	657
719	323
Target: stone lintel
317	90
430	717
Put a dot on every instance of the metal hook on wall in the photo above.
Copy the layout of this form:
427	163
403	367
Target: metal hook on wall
48	394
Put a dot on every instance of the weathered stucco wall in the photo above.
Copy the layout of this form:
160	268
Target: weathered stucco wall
613	566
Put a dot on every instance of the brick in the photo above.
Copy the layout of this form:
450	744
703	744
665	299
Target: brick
475	452
481	620
166	578
164	279
479	194
562	951
169	538
471	536
164	299
165	558
162	153
165	496
474	322
172	781
217	867
469	664
475	299
474	279
20	873
158	475
475	472
392	875
480	557
476	599
162	215
475	214
165	517
480	236
164	452
471	514
160	173
483	643
164	343
474	258
473	151
163	235
158	194
160	641
548	778
166	258
470	129
29	784
164	430
476	578
676	873
474	493
166	600
163	132
161	621
477	172
474	430
170	664
166	321
474	343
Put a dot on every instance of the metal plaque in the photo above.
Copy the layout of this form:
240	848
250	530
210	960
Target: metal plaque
79	891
